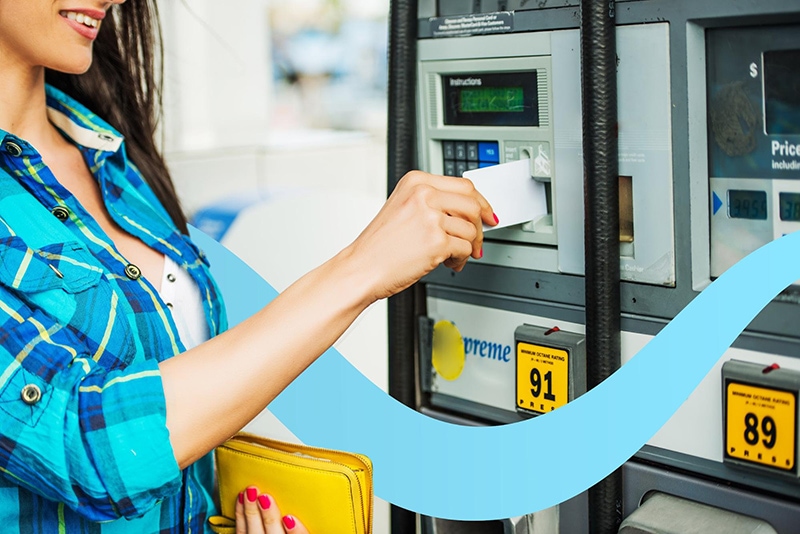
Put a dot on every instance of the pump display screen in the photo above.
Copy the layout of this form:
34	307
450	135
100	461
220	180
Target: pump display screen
491	99
747	204
790	206
782	92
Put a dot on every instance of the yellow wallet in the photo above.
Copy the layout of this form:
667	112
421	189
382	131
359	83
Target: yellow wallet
329	491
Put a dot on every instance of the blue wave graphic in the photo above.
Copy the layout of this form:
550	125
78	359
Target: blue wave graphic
481	473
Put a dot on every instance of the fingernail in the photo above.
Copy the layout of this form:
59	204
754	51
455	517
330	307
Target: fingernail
252	493
288	521
263	500
496	219
481	254
241	497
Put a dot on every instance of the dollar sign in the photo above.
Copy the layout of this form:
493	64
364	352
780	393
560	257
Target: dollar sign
753	70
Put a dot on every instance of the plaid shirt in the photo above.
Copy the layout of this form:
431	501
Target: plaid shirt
83	436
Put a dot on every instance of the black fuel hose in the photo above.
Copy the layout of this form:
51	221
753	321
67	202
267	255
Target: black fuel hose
401	159
601	206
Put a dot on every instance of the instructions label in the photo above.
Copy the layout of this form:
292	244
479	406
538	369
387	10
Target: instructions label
542	377
761	425
477	24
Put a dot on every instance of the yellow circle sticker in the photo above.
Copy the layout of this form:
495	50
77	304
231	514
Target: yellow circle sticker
448	350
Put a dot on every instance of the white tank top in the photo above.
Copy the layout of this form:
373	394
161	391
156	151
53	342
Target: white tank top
182	296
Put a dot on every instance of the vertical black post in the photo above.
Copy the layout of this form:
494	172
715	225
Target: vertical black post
601	200
401	159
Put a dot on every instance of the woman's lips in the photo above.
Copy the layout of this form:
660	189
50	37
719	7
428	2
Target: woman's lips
84	21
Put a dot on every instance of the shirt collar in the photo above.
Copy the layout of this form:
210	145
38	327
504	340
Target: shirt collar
79	124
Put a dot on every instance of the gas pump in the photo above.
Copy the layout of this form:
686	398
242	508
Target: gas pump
706	144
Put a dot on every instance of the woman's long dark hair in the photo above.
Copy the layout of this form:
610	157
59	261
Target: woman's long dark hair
123	86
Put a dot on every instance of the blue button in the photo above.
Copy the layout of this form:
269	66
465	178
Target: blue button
489	152
484	164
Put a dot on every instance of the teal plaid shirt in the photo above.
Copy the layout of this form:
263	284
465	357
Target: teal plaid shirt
83	440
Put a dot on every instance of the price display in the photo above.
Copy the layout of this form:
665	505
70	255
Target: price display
542	377
761	425
790	206
747	204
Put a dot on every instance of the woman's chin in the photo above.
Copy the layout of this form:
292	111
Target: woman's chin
74	65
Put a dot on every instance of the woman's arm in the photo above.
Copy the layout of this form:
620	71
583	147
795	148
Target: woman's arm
213	390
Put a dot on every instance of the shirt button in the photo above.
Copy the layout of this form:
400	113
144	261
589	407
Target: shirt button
169	305
31	394
132	271
61	213
171	277
13	148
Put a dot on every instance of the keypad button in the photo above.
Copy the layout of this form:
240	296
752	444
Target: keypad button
461	168
449	149
449	168
472	165
132	272
61	213
489	151
31	394
461	150
472	151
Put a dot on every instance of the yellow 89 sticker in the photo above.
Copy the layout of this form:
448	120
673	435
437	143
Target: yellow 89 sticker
761	425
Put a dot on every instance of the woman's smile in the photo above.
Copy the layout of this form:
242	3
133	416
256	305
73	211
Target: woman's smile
84	21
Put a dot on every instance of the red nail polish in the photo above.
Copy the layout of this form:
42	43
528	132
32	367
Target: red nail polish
289	522
241	497
252	493
496	219
481	254
263	500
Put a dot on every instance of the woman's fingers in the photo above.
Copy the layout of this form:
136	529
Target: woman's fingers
253	514
462	206
458	186
241	522
293	525
468	238
270	514
257	513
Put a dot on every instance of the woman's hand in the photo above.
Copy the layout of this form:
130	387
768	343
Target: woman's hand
426	221
257	513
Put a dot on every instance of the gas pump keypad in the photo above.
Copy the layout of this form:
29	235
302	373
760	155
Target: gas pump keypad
462	156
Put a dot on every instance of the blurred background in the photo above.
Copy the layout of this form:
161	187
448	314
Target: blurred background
275	132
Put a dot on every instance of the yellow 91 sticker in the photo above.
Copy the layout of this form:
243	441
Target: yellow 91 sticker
761	425
542	377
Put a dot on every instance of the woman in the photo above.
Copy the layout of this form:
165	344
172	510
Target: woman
114	382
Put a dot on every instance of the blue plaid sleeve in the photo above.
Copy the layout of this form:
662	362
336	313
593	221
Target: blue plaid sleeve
75	432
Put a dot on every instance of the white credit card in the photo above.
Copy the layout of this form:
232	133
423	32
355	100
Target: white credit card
515	196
